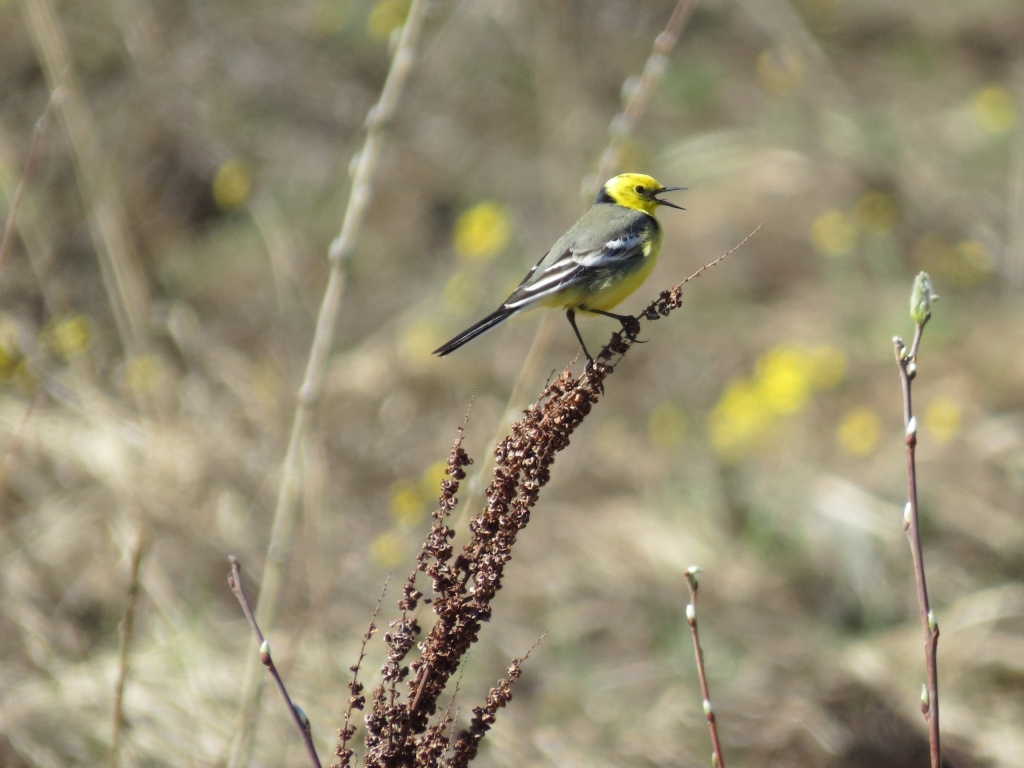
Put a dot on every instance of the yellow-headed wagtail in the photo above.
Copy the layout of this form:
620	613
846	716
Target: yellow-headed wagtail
601	260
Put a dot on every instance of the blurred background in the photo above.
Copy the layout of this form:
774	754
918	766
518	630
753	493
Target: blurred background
197	163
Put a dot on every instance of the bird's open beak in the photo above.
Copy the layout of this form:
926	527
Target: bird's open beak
666	202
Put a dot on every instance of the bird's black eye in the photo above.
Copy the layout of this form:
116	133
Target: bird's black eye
639	189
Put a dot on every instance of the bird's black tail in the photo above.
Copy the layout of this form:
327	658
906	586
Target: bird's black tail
495	318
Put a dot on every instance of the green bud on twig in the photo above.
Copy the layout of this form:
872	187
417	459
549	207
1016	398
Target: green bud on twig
921	298
265	654
901	349
691	575
302	717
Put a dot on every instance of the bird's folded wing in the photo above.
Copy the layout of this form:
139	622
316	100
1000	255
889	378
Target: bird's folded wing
560	274
614	253
571	267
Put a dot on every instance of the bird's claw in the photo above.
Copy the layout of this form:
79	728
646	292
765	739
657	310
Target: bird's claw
631	327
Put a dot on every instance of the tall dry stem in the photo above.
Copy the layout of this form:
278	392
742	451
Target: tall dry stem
292	470
108	222
404	723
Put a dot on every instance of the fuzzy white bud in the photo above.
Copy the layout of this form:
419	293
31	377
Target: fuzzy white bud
921	298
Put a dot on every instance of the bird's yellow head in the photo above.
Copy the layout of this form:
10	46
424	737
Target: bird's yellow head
637	191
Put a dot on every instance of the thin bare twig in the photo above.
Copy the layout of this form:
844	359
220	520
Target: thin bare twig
356	700
298	716
624	124
108	226
127	632
292	474
464	749
920	311
667	301
26	177
691	618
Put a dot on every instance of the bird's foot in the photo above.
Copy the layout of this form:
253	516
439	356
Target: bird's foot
631	327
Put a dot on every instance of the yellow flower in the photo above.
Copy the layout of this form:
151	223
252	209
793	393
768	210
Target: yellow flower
388	549
876	212
406	503
430	480
832	234
783	379
779	69
965	264
828	367
942	419
231	185
12	359
386	17
411	501
70	337
737	420
975	261
142	374
994	110
859	431
418	339
482	232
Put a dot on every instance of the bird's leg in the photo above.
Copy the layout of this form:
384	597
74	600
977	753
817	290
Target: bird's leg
571	315
591	366
630	325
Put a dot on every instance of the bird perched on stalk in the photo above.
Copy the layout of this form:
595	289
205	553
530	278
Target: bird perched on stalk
601	260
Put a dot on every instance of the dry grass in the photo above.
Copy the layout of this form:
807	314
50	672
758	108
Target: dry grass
788	114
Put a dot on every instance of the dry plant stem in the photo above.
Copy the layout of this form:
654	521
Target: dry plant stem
26	177
15	444
1014	254
122	276
127	631
907	361
626	123
340	252
235	581
541	340
691	618
465	582
356	698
